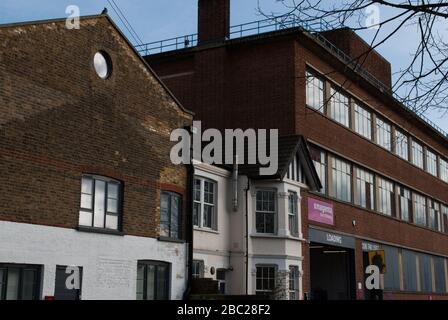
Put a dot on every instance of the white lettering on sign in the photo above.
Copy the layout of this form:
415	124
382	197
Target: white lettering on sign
334	238
323	209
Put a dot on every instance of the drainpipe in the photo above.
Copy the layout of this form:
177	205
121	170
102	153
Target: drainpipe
247	235
189	219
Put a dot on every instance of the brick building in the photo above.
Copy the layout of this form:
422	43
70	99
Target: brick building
86	179
383	168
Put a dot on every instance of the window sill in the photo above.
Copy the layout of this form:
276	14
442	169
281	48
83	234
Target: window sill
275	236
173	240
100	231
205	230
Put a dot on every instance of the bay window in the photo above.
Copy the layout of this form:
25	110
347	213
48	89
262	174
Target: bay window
293	213
265	214
265	279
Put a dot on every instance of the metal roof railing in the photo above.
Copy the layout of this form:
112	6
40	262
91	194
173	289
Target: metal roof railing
314	29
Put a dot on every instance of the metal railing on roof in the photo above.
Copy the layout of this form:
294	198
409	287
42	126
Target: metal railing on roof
314	29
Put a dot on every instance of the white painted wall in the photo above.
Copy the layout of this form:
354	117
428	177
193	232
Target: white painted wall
109	262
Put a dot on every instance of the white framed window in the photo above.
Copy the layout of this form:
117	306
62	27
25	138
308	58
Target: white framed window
431	162
265	279
100	203
340	108
341	179
364	189
419	209
434	215
417	154
265	214
401	145
320	163
204	210
404	203
294	283
363	122
383	134
315	92
293	213
385	196
443	168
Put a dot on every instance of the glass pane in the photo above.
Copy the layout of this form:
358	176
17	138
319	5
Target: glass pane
112	190
150	285
12	289
196	213
85	218
87	185
162	279
112	222
28	285
86	201
100	194
140	281
112	205
2	275
175	216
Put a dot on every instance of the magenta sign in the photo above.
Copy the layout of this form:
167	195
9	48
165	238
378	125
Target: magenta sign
320	211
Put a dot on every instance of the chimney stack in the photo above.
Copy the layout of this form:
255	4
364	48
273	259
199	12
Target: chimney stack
213	20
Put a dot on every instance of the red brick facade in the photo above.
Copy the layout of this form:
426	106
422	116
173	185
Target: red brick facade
59	120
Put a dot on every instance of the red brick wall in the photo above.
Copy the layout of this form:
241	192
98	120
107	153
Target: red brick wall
59	120
213	19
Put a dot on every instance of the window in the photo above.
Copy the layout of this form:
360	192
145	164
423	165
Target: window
443	168
19	282
434	215
320	163
419	209
341	179
198	269
401	145
383	134
425	272
265	211
292	213
363	122
102	64
153	280
417	154
409	271
100	203
439	274
204	213
404	203
265	279
314	92
364	189
445	218
293	283
431	163
221	278
340	108
385	197
170	215
392	276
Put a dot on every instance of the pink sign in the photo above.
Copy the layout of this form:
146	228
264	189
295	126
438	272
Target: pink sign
320	211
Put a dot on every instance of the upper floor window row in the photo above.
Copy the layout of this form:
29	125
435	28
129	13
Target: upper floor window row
351	183
328	99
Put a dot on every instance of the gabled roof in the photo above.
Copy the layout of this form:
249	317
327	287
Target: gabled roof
131	46
288	148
